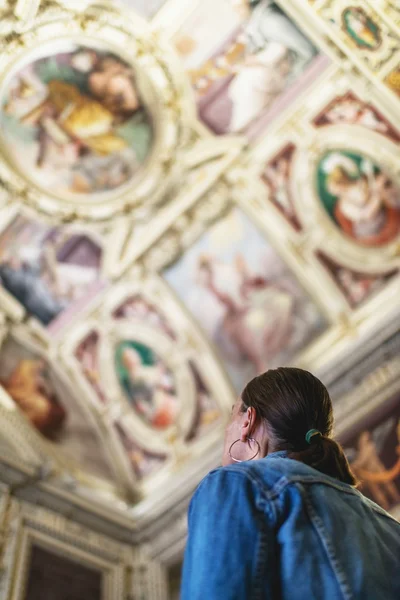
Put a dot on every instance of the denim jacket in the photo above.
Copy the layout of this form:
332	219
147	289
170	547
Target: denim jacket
277	529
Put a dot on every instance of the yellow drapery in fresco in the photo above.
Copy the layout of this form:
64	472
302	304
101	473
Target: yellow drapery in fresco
81	117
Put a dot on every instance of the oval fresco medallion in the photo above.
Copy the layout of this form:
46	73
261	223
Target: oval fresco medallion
148	384
364	32
74	122
359	196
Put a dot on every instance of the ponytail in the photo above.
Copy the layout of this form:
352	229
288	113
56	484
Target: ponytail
327	456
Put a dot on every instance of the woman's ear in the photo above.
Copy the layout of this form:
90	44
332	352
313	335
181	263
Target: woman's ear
249	418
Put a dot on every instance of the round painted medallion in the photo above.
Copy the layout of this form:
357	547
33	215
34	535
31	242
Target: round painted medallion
74	122
360	197
148	384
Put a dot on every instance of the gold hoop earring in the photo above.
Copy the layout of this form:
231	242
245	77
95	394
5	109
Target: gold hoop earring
236	460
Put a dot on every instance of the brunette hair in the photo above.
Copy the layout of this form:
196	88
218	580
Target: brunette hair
292	402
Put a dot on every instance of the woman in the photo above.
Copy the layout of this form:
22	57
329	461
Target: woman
285	521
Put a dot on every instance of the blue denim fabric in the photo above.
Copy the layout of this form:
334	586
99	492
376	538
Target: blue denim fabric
276	528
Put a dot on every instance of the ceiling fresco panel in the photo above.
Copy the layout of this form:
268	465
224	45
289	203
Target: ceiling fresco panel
236	286
246	65
51	272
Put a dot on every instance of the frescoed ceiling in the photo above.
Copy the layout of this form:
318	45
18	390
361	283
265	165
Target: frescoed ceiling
184	204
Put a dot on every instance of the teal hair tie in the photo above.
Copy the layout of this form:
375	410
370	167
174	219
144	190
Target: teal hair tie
310	434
